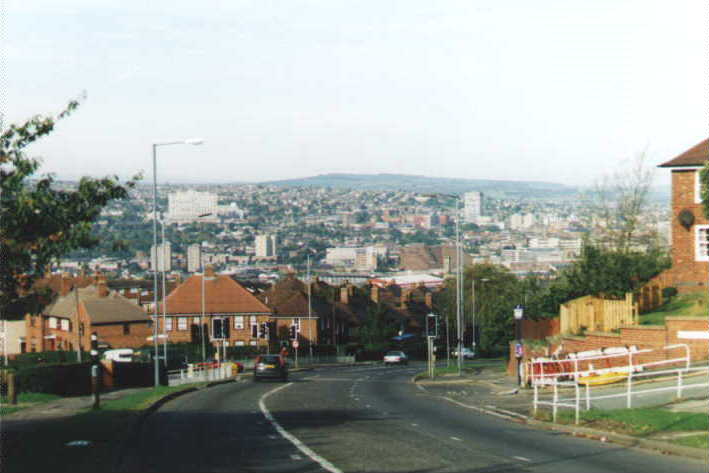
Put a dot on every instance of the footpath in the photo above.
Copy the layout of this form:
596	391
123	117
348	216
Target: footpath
489	390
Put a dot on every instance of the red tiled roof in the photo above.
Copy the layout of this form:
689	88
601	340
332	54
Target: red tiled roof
223	295
695	156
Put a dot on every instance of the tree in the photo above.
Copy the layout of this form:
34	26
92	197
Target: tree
39	224
704	188
618	203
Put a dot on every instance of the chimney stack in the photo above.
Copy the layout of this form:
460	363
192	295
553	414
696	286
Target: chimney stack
374	294
66	284
344	295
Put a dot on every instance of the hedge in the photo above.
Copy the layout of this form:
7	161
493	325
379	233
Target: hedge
24	360
62	379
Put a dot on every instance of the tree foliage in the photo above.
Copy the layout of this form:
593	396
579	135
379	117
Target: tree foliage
604	272
39	224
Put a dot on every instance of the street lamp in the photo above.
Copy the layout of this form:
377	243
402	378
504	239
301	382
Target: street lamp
193	141
518	314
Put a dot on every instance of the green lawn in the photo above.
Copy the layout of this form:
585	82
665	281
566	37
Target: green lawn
696	441
639	422
104	428
688	305
25	400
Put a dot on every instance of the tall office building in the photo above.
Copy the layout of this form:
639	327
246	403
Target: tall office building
194	258
265	246
187	206
473	206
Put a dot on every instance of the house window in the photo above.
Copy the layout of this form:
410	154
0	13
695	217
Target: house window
65	325
296	323
52	322
239	343
701	248
239	322
196	321
182	323
697	188
126	329
168	324
252	343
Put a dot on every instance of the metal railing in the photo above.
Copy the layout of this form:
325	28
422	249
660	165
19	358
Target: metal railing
564	381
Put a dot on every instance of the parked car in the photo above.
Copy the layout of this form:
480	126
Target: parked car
270	367
468	354
396	358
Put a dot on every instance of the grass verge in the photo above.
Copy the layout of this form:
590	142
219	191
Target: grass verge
695	441
25	400
104	428
638	422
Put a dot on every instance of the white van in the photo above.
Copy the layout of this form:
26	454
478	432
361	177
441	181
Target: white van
121	354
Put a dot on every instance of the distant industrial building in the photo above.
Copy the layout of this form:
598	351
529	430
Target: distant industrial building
187	206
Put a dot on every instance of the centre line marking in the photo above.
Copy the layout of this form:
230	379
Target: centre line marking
456	438
293	439
523	459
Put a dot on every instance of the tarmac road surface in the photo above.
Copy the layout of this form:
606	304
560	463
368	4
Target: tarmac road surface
360	419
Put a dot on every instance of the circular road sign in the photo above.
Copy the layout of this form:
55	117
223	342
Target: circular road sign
295	343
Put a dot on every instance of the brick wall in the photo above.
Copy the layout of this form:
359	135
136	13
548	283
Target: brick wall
687	275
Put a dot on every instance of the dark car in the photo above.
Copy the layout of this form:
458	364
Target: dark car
270	367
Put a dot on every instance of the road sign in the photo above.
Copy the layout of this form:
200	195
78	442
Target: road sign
519	350
295	343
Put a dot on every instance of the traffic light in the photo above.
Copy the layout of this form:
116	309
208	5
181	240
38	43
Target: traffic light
292	332
263	330
432	325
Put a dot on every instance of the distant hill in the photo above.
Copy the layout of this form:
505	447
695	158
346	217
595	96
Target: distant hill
423	184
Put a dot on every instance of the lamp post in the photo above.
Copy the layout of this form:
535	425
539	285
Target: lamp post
164	290
203	298
155	245
518	314
310	311
459	287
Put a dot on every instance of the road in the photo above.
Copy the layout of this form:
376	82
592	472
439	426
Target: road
360	419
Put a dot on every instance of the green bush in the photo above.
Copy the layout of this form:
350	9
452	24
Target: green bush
46	357
668	293
60	379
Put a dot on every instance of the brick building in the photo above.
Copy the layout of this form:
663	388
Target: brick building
76	313
690	229
230	311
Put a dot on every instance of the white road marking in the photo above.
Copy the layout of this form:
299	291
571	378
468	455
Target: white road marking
294	440
296	457
421	388
414	425
523	459
456	438
272	437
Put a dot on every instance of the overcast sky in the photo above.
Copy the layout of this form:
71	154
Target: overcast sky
560	91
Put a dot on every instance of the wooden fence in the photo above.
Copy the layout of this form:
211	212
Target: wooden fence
595	314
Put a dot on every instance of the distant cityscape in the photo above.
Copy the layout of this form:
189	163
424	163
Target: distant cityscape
257	231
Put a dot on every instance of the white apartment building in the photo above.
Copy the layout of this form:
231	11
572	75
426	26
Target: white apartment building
187	206
161	257
522	221
265	246
194	258
473	206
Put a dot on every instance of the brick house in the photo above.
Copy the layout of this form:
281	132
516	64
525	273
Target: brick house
230	311
74	314
690	229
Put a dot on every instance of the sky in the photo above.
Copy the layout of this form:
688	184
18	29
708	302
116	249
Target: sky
562	91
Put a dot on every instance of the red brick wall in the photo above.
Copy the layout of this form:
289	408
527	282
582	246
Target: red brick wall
698	348
687	274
